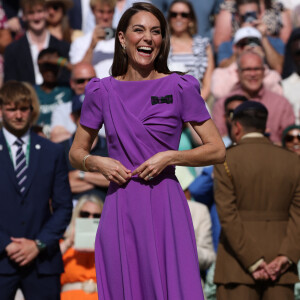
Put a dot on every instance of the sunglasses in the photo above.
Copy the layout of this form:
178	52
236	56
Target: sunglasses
86	214
174	14
55	6
82	80
289	137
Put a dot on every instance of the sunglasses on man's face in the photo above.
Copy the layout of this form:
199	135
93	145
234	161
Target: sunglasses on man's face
184	15
87	214
82	80
290	137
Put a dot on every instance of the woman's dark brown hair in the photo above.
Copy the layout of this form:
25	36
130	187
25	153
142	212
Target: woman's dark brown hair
120	62
193	28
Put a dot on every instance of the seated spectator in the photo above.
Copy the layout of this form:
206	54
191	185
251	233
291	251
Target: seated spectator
248	11
224	79
272	14
97	47
83	183
62	125
205	13
58	20
189	53
291	84
291	141
22	64
291	138
201	221
79	278
251	74
50	94
230	104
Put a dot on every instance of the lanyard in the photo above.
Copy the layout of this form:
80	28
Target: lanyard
26	154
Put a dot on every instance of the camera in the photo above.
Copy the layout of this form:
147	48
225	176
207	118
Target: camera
109	33
249	17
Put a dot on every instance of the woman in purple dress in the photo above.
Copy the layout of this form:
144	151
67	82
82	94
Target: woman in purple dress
145	245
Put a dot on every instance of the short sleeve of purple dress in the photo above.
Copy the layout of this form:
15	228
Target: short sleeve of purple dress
145	244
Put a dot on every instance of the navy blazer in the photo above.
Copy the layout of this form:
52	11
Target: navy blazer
18	63
31	215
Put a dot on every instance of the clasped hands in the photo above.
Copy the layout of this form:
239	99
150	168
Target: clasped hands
273	270
22	251
115	171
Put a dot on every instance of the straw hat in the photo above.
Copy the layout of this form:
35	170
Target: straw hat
66	3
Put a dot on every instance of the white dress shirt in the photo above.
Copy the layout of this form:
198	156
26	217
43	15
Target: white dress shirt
102	55
10	139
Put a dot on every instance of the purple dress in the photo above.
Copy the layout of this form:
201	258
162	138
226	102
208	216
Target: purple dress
145	244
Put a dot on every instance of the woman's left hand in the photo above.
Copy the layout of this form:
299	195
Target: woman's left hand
153	166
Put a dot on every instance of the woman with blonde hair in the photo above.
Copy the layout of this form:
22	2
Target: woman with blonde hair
79	279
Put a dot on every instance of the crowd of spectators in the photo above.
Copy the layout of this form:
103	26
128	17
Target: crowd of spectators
239	50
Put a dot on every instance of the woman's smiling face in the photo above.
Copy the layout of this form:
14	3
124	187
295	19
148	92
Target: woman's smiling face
142	40
179	18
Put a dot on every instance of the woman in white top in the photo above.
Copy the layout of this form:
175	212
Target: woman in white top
189	52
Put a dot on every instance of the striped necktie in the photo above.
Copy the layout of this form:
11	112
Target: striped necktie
21	167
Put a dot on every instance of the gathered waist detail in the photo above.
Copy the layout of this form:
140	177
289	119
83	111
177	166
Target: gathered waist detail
168	172
258	215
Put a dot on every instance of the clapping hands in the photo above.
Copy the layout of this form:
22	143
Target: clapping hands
273	270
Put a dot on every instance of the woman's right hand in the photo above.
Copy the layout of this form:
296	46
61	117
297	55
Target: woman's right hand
112	169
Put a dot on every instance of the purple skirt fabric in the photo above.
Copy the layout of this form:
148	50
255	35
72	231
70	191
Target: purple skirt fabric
145	244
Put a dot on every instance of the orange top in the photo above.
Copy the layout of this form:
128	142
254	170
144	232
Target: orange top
79	267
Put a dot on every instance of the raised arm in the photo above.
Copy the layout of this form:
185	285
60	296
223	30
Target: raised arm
205	91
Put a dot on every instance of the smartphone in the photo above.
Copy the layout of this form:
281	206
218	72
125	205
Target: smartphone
109	33
249	17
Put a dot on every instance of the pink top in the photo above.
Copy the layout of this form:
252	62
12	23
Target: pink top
224	80
281	113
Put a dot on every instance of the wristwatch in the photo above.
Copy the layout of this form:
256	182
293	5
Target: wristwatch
81	175
40	245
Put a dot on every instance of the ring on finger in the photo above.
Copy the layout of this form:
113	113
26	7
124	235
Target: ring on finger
149	177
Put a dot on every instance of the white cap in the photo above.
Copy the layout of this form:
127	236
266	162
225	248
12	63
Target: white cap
184	176
246	32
